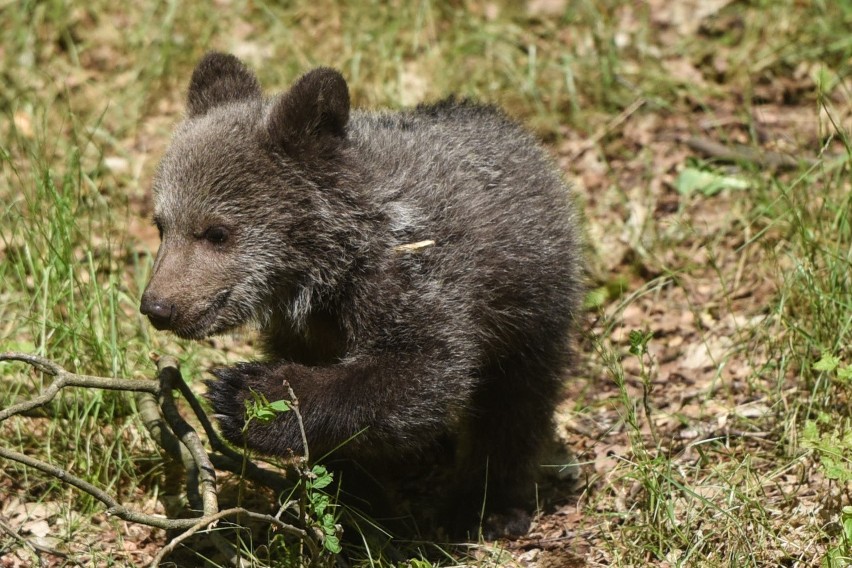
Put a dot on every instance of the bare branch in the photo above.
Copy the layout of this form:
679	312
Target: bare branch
742	153
113	506
169	375
65	379
170	430
294	404
208	520
179	471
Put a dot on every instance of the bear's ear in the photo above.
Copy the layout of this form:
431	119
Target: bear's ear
219	78
314	110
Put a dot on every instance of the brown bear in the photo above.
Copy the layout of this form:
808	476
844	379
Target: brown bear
415	277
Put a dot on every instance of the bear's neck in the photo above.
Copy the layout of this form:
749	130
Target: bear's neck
319	340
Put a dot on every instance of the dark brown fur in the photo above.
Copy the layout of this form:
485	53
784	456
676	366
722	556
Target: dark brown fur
288	212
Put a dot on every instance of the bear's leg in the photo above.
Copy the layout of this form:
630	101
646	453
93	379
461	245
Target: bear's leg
501	447
366	408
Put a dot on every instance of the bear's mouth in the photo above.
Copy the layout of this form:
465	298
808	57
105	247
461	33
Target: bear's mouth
205	324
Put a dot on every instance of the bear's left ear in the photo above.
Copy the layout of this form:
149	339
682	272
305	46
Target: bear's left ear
315	110
218	79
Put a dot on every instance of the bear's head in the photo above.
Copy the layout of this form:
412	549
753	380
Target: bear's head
246	200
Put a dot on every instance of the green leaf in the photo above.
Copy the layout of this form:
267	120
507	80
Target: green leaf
319	503
639	341
262	413
845	373
824	418
846	521
826	363
322	482
692	180
280	406
595	298
328	524
835	469
332	544
810	433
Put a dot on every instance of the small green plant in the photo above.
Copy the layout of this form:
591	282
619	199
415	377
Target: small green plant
832	442
260	409
831	364
841	555
314	505
319	505
639	349
639	344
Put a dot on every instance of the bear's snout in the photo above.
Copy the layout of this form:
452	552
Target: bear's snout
160	312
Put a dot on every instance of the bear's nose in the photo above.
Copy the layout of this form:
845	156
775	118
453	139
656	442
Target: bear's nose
159	312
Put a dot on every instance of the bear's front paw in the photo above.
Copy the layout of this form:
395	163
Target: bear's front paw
228	395
242	383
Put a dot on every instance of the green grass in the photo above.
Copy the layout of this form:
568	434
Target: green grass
727	432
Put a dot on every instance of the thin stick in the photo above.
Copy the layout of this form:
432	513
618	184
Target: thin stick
169	375
742	153
208	520
65	379
294	404
414	247
113	506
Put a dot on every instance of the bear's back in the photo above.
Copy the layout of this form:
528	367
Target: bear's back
478	185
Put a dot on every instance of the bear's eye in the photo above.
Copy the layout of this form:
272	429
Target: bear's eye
217	235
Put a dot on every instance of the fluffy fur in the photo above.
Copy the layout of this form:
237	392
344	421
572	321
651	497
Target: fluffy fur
288	212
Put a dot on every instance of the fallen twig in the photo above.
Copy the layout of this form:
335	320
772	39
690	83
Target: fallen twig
34	547
65	379
169	376
741	153
207	521
113	507
169	429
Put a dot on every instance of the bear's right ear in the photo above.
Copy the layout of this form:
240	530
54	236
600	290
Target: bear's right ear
313	113
219	78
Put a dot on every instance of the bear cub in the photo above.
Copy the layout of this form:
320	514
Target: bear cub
414	275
